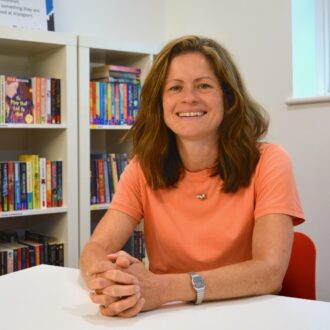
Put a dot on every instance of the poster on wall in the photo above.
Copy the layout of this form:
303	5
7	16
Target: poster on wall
34	14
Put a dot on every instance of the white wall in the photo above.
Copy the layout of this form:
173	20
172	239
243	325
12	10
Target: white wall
258	34
118	20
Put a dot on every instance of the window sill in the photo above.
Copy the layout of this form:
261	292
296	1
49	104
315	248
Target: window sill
307	100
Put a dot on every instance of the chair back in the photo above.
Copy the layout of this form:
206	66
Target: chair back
299	281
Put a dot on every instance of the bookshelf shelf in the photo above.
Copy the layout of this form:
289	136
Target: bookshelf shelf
100	138
26	213
29	53
33	126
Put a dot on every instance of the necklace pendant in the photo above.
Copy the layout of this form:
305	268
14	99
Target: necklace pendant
201	196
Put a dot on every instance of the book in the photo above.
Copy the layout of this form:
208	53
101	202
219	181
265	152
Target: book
4	187
103	71
2	99
35	171
18	100
43	178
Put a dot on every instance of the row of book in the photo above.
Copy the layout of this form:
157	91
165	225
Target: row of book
35	100
32	182
135	245
105	170
114	95
30	250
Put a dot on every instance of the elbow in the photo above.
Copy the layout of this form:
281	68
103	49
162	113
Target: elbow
273	279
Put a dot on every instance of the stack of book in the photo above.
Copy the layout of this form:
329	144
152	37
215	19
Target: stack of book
32	249
114	95
105	171
32	182
35	100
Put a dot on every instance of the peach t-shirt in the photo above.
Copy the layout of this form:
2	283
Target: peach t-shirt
183	233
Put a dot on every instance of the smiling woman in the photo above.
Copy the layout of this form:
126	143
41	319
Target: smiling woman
218	204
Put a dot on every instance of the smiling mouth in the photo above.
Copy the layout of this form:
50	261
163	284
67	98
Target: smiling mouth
191	114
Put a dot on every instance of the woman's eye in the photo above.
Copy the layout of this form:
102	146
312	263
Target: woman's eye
175	88
204	86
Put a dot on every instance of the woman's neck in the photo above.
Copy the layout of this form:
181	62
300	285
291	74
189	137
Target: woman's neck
197	155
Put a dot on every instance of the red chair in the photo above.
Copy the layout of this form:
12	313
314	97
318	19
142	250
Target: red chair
299	281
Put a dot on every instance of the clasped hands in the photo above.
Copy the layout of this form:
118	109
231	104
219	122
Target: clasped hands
123	286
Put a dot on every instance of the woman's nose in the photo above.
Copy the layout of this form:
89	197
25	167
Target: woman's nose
189	94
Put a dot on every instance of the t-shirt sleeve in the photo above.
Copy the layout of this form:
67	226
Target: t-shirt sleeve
128	196
275	186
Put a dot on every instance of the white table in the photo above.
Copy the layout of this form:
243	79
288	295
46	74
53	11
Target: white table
49	297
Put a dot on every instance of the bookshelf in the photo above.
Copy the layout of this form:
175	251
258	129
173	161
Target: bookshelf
100	138
28	53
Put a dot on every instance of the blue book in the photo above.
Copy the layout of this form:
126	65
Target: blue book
17	186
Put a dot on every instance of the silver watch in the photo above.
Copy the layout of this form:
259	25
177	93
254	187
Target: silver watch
199	286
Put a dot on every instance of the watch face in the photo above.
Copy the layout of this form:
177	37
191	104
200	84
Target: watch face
198	282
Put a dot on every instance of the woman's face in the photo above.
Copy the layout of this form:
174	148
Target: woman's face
192	98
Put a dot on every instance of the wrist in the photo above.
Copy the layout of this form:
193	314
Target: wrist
176	287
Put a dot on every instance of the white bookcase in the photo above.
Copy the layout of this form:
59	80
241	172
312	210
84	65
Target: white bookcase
99	139
28	53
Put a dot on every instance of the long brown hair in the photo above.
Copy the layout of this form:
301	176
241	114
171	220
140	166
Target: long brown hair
243	124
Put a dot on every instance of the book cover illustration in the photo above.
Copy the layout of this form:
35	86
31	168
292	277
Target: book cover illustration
18	100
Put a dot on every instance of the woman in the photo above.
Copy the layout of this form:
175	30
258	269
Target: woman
218	204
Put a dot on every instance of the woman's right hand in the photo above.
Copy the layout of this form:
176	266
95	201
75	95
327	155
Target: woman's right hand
117	292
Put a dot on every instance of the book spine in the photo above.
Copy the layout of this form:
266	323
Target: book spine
48	101
23	178
93	197
109	102
36	182
54	183
58	102
11	186
37	98
101	192
59	180
1	187
114	171
29	185
43	100
49	182
106	181
97	103
17	185
43	188
4	174
53	100
2	99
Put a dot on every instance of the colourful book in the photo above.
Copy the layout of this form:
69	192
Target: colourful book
34	159
36	93
18	100
2	99
43	178
11	186
49	182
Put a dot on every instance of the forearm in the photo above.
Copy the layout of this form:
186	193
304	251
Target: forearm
247	278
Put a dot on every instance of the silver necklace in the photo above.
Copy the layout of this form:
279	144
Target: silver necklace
201	196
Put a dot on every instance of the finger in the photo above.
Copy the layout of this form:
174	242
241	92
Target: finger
113	256
100	267
98	283
102	299
136	309
118	276
121	290
119	306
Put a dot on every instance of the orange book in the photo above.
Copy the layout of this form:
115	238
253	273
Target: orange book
101	188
